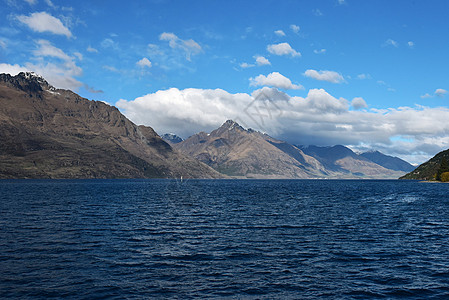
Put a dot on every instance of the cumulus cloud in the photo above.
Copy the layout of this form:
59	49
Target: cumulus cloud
275	79
320	51
44	22
262	61
411	44
341	2
329	76
295	28
438	93
358	103
279	33
283	49
319	118
189	47
144	62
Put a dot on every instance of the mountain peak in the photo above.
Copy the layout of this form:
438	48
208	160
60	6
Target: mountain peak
27	81
230	125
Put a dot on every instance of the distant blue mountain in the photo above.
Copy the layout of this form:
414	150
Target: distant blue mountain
389	162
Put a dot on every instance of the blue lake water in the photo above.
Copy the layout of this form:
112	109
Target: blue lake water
256	239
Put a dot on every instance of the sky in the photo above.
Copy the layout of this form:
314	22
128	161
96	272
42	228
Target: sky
371	75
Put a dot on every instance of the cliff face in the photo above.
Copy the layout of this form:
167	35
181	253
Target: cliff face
54	133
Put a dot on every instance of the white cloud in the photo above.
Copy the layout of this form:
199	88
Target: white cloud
279	33
295	28
391	42
44	22
2	44
245	65
318	118
321	51
58	75
47	49
12	69
91	50
438	93
144	62
283	49
189	47
411	44
262	61
275	79
341	2
329	76
358	103
31	2
58	68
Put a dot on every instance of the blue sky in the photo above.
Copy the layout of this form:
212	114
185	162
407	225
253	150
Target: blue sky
331	71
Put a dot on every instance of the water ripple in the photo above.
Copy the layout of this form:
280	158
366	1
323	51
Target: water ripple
251	239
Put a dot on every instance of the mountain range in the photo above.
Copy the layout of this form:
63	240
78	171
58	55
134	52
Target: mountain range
246	153
55	133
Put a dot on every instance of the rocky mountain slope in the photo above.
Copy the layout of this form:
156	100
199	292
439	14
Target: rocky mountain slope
235	151
428	170
54	133
238	152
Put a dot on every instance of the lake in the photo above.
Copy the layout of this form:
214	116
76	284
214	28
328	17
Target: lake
251	239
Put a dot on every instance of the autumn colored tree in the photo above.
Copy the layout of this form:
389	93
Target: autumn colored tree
444	167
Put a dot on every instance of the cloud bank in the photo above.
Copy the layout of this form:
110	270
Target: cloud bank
319	118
